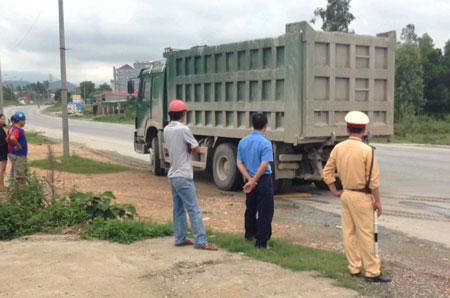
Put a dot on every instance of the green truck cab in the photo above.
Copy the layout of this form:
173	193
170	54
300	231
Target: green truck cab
305	81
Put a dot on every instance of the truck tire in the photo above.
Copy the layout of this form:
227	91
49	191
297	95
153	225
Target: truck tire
281	185
323	186
154	158
225	172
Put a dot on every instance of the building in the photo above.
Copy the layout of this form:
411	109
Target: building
123	74
121	77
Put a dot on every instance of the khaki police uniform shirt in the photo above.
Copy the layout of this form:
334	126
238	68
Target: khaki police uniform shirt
351	159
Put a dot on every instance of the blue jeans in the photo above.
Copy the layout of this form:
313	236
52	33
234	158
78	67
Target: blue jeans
185	198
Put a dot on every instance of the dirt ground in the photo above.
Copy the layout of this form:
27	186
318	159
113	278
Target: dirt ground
419	268
64	265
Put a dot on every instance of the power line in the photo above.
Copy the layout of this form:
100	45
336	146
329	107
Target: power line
29	30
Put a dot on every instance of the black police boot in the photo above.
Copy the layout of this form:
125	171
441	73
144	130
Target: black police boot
380	278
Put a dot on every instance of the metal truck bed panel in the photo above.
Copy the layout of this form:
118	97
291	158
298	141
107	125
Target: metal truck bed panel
305	81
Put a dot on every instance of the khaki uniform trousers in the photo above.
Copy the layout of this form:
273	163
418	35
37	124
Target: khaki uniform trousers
357	217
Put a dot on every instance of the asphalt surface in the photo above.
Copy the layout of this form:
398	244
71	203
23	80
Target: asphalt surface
414	180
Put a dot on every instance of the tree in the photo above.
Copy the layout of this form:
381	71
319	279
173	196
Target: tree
336	17
86	87
408	34
104	87
409	100
58	95
435	72
8	94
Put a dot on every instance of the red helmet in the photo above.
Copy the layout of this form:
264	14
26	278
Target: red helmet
177	106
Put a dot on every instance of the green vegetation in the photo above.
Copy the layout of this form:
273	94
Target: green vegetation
423	130
37	138
80	165
335	17
120	119
126	231
54	108
25	210
295	257
125	118
99	205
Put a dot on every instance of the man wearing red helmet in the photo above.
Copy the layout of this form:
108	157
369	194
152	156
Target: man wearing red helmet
357	167
181	144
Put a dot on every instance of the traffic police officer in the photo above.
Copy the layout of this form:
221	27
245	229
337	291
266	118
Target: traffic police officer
356	164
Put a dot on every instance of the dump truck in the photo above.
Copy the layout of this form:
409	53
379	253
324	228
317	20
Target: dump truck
304	81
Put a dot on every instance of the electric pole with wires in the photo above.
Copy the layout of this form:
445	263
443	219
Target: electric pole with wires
62	47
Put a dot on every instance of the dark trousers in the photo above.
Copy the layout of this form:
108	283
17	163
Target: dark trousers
260	201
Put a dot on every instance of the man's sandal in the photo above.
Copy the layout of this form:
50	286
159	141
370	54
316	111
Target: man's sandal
185	242
207	246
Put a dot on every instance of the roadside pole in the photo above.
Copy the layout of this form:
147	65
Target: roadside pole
62	47
1	89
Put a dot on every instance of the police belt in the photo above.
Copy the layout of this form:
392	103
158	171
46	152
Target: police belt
363	190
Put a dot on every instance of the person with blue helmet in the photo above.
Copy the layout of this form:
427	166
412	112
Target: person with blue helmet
19	150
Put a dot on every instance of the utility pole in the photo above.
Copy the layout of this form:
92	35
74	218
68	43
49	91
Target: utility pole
1	89
62	47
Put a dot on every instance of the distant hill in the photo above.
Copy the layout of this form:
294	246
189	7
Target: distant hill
57	85
16	83
53	85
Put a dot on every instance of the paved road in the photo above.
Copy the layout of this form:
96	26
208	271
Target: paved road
97	135
415	180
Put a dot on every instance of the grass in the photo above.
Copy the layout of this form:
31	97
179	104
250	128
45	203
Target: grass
423	130
295	257
126	231
80	165
36	138
54	108
120	119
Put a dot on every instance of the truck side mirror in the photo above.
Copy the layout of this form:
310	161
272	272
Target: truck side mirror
130	87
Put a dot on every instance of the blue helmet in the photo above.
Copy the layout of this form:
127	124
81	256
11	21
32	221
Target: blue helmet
19	116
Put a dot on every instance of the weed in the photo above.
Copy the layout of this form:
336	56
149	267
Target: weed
99	205
37	138
295	257
126	231
80	165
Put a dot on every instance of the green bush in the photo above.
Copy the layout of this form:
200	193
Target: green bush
423	129
126	231
99	205
25	209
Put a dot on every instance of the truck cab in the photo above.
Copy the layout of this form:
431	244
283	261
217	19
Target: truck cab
151	109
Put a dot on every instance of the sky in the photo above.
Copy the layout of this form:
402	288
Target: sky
101	34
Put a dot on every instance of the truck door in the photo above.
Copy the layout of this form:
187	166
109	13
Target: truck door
156	96
143	106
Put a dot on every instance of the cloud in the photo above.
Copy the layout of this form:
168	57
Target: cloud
105	33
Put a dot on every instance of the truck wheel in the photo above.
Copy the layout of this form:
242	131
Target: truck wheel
225	172
154	158
323	186
281	185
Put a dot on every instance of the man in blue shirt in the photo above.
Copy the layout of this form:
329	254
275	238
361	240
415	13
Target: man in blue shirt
253	160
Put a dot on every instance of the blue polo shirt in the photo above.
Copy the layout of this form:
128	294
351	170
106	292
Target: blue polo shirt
254	149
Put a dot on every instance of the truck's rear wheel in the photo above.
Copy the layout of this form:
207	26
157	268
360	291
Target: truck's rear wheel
154	158
225	172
